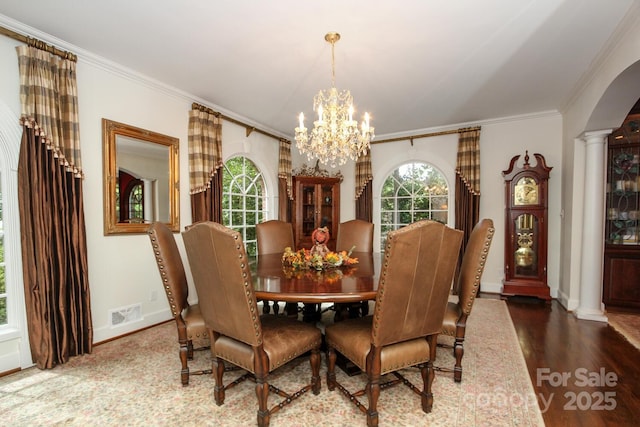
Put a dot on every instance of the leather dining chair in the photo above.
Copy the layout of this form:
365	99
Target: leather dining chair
187	316
356	235
418	268
273	236
257	344
471	269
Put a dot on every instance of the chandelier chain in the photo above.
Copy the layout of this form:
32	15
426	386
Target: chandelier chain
333	64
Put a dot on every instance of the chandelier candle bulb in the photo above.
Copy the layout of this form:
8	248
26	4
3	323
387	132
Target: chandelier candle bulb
301	118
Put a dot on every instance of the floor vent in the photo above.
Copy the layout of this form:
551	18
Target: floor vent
124	315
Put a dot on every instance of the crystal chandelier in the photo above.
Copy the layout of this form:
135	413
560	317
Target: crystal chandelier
335	137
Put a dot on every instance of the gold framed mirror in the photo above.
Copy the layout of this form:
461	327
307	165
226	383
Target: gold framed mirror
141	179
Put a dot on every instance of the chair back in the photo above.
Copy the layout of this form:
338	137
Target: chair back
174	279
473	261
220	270
418	269
356	233
273	236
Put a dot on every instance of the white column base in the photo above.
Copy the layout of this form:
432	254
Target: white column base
595	315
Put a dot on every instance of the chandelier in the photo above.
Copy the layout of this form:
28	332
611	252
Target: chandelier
335	137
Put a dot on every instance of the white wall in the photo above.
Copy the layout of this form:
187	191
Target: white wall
588	111
122	269
500	140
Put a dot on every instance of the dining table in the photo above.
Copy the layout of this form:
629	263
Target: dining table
274	281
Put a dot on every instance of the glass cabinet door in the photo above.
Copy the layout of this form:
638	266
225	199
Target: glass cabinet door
526	245
309	209
623	183
317	204
326	209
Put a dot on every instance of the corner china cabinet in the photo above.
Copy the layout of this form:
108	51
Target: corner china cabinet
621	287
526	198
317	204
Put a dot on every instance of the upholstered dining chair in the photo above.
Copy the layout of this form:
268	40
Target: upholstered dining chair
417	272
471	269
356	235
187	316
257	344
273	236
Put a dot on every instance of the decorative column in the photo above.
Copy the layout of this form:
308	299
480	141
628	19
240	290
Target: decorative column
591	269
147	202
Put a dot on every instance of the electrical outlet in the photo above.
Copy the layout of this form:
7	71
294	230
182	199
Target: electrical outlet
153	296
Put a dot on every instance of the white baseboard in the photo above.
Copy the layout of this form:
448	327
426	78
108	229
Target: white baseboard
491	288
149	319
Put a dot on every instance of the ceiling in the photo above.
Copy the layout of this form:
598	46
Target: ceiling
415	64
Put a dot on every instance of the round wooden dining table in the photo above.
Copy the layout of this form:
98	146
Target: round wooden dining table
273	282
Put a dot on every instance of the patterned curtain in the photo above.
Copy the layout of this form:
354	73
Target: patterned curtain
467	205
205	164
364	192
53	235
285	187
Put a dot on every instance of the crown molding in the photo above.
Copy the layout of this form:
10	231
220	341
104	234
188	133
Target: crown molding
122	71
494	121
628	23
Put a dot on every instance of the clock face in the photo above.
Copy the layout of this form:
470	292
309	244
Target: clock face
526	192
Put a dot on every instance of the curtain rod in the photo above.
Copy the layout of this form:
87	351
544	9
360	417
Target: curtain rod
426	135
248	128
38	44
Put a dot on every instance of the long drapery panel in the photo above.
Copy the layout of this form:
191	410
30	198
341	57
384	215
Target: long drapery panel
364	191
205	165
467	204
53	235
285	186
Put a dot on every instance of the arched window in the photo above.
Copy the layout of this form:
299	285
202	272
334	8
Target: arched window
131	189
244	199
13	327
413	192
136	202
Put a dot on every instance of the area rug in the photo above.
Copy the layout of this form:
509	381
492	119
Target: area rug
134	381
628	325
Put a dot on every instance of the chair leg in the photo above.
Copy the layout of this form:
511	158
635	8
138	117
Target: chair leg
184	355
190	350
428	374
372	388
262	393
365	308
458	352
315	371
218	389
266	307
331	369
373	391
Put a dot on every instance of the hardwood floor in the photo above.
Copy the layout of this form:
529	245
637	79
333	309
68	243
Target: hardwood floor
584	373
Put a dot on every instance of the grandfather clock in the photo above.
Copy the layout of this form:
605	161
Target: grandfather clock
525	251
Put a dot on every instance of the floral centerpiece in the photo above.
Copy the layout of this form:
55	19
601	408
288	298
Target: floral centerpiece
319	257
304	259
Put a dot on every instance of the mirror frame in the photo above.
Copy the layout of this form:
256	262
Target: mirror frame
112	129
